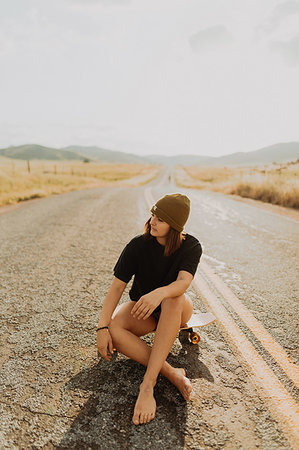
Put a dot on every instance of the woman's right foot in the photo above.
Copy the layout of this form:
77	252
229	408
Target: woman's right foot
145	407
179	379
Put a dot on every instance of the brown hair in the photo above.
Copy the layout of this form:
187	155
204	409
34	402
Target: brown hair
174	238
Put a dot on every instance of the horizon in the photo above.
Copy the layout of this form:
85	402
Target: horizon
150	77
149	154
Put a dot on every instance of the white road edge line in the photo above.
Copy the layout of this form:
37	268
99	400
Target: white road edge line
273	348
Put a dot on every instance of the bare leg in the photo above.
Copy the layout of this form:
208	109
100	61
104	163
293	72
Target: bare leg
168	326
125	331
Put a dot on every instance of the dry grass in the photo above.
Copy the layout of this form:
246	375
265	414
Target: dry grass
277	184
51	177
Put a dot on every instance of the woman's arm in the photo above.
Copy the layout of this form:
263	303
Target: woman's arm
104	340
111	301
177	287
147	303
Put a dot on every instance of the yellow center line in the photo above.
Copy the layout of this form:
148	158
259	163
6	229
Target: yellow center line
281	403
276	351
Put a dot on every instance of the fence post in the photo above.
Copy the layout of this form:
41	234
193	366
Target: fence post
28	166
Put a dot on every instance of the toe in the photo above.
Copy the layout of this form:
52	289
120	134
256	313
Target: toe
186	395
136	419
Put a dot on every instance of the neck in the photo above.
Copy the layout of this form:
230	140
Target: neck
161	240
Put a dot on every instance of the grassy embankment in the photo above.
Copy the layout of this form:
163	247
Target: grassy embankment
50	177
276	184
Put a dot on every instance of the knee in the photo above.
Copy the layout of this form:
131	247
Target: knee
174	303
120	317
114	326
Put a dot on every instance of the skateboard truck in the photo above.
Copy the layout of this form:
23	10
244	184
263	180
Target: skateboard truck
194	337
197	320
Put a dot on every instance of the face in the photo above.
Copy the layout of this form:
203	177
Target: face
159	228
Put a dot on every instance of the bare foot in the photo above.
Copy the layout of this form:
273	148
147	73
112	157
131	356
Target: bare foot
179	379
145	407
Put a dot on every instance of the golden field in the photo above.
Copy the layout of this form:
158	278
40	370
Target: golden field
19	182
276	184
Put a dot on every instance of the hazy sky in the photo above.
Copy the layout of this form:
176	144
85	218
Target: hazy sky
207	77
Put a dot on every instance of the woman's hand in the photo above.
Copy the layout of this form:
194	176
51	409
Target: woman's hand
146	304
104	343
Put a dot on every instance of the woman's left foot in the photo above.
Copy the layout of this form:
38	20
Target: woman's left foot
145	407
179	379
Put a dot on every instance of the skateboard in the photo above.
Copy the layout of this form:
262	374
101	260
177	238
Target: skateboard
197	320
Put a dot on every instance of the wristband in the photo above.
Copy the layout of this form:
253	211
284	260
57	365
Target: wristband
101	328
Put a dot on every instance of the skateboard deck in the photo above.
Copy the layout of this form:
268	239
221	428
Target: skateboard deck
197	320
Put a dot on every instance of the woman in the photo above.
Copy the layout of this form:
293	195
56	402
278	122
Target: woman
163	261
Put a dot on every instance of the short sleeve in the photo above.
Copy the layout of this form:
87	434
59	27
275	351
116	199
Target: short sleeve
126	265
191	257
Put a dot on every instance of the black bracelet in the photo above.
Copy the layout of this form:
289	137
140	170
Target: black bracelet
101	328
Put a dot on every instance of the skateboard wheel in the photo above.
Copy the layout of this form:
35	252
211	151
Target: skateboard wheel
194	338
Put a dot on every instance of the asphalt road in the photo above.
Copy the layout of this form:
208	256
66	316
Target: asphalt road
57	256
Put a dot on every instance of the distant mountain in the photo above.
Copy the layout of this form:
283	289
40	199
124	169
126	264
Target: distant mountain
34	151
283	152
280	153
72	152
102	154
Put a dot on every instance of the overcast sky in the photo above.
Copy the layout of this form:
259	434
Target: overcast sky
207	77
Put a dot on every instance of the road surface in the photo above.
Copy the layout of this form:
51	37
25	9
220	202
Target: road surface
57	256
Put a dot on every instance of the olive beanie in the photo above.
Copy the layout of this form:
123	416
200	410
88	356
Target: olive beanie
174	209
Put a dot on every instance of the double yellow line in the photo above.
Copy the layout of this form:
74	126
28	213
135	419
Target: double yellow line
280	402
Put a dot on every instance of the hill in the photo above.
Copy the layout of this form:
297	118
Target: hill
34	151
72	152
280	153
102	154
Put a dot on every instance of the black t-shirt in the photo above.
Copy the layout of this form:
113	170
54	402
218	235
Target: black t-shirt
145	259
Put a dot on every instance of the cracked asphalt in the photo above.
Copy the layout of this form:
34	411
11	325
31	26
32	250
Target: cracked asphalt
57	256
